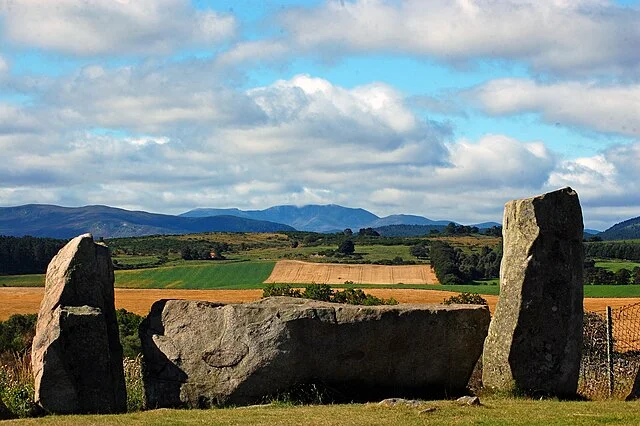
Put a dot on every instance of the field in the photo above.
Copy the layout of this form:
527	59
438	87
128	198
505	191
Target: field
198	275
616	265
494	411
24	300
296	272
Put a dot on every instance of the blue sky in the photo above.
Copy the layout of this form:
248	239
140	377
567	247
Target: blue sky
441	108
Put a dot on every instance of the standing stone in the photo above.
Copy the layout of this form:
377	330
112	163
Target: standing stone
635	390
76	354
535	337
201	354
5	413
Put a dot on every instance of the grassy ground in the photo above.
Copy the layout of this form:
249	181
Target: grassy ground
494	411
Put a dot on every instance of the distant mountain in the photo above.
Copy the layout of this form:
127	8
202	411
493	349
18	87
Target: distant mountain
40	220
627	230
315	218
320	218
405	219
486	225
591	231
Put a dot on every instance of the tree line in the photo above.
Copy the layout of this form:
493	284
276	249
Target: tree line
27	255
594	275
453	266
211	250
612	250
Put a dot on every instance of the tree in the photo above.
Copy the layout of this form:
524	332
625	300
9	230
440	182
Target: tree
348	232
347	247
421	251
622	276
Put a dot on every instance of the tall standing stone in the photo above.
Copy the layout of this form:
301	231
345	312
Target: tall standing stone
535	337
76	355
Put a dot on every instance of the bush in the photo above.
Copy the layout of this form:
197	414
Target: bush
347	247
355	296
16	384
323	292
16	333
280	290
466	299
320	292
128	324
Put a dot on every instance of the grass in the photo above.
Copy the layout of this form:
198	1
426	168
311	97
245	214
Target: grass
494	411
198	275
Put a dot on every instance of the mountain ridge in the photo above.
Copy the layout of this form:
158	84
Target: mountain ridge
625	230
46	220
321	218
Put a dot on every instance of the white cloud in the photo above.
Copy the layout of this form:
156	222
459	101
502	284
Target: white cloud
171	144
497	161
609	109
608	183
568	37
252	51
4	67
98	27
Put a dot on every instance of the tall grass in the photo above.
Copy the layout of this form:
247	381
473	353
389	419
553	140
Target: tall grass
133	381
16	384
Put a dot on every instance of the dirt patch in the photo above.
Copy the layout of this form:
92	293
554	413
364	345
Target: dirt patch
297	272
20	300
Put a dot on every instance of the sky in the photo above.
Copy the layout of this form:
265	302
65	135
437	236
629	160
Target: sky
440	108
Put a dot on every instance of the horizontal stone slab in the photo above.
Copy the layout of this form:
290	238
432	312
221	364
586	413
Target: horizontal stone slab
201	354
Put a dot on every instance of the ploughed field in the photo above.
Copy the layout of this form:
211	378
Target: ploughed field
297	272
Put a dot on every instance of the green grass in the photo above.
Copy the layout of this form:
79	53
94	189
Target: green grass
494	411
616	265
612	291
198	275
33	280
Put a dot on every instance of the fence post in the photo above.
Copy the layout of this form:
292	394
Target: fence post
610	350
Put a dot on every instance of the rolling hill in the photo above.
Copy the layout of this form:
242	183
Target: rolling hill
627	230
41	220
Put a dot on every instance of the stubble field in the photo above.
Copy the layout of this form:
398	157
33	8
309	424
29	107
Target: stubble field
25	300
296	272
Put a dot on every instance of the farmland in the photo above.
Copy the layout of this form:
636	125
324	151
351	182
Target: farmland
296	272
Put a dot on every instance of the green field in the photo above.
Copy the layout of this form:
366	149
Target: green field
616	265
198	275
494	411
33	280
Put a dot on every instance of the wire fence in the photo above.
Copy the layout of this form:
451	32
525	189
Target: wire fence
610	353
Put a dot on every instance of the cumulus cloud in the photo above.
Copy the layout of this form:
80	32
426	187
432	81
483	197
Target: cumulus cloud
150	140
567	37
608	183
104	27
601	108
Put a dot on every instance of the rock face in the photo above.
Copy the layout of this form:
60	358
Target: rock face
76	355
535	338
201	354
